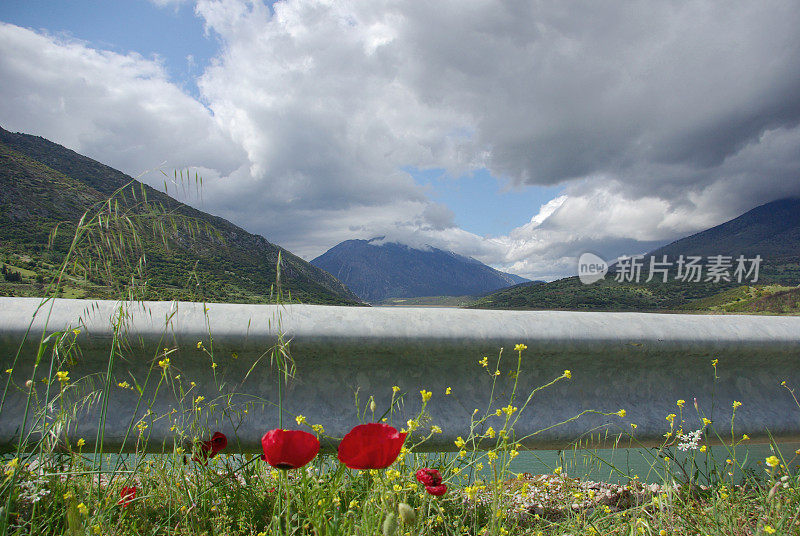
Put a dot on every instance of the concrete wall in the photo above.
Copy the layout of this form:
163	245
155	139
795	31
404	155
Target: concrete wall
638	362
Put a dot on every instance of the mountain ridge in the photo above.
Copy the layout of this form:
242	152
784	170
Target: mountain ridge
376	272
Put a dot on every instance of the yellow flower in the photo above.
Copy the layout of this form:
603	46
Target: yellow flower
412	425
83	509
426	395
773	461
714	363
199	399
491	456
62	376
745	437
300	419
484	362
97	529
395	389
706	422
213	365
622	413
671	418
81	442
768	529
164	363
496	372
318	428
568	374
634	426
509	410
783	383
490	432
9	371
448	391
703	448
520	347
558	470
459	442
199	345
514	453
435	429
736	404
124	385
681	403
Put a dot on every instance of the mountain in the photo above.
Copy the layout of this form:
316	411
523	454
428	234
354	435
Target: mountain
376	270
189	254
771	231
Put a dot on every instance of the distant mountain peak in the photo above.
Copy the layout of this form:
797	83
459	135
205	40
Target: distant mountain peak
377	269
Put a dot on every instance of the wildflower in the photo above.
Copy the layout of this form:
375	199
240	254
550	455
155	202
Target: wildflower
557	470
773	461
634	426
490	433
491	456
11	466
289	449
97	529
199	345
736	404
428	477
706	422
395	389
300	419
568	374
680	403
83	509
124	385
127	495
520	347
81	442
412	425
714	363
703	448
671	418
459	442
690	440
371	446
426	395
199	399
435	429
318	428
164	364
392	474
62	376
210	448
213	365
448	391
509	410
745	437
622	413
436	491
496	372
768	529
514	453
484	362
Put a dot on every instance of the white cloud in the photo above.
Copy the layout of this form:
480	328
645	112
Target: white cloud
661	119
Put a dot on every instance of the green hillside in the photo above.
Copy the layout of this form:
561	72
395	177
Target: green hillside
172	250
771	231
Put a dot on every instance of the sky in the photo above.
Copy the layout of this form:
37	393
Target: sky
521	133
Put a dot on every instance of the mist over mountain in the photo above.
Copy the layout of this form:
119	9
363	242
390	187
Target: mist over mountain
376	270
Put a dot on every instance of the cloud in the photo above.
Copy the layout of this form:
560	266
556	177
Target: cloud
658	119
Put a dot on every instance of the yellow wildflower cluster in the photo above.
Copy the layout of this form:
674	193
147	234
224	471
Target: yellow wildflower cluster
426	395
520	347
568	374
484	362
62	376
164	364
773	461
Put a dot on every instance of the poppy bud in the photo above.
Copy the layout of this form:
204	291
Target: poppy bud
390	525
407	513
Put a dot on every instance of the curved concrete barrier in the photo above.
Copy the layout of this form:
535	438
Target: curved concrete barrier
639	362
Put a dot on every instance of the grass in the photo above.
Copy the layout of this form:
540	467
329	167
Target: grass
53	482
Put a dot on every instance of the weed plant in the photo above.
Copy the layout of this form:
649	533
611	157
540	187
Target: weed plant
56	483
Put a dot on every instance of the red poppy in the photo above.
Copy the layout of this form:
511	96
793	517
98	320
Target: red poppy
289	449
127	495
429	477
210	448
371	446
439	490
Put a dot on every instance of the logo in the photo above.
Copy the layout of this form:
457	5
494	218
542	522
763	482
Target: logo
591	268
